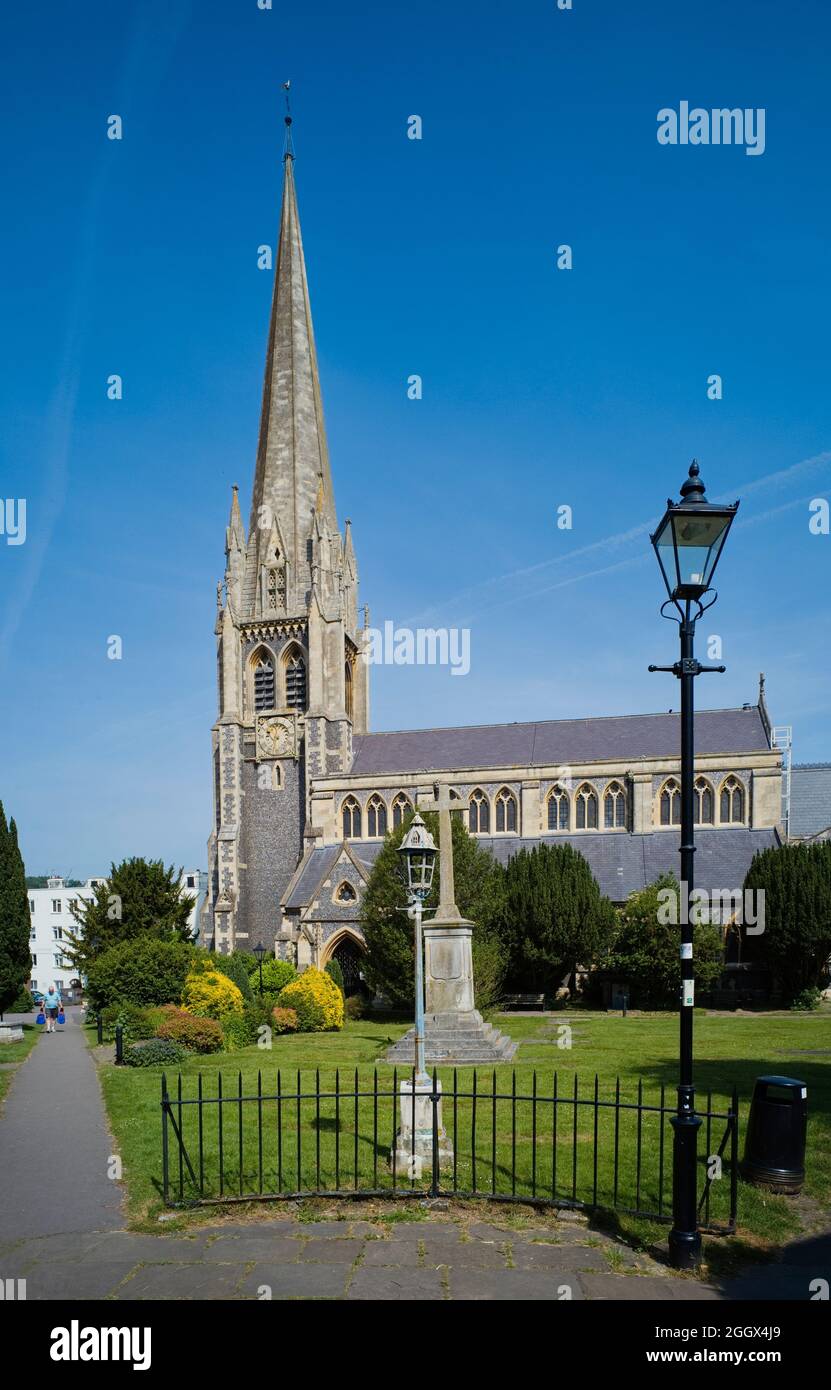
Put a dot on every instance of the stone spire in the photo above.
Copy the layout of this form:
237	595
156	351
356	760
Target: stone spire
293	474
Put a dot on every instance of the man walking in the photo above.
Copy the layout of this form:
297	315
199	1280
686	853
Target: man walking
52	1007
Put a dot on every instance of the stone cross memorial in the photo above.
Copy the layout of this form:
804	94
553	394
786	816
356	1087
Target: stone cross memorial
454	1030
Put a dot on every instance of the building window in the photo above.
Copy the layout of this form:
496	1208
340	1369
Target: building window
347	686
671	803
376	817
263	683
32	934
295	681
31	904
57	933
506	811
191	881
346	893
731	807
703	802
614	807
58	962
351	813
56	904
585	807
401	808
34	960
558	809
479	813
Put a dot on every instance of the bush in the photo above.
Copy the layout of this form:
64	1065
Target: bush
236	971
155	1053
196	1033
284	1020
806	1001
490	965
276	975
138	1023
354	1006
316	1000
333	969
23	1004
212	995
243	1030
146	971
796	942
644	951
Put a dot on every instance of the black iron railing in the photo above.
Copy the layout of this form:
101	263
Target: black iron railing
552	1146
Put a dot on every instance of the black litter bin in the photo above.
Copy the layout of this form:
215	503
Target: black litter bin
774	1150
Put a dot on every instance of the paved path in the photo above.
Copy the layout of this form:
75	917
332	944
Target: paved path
286	1259
61	1229
54	1144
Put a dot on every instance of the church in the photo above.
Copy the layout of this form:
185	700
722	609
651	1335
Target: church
304	793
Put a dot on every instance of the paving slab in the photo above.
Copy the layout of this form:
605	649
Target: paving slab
244	1249
642	1288
329	1251
295	1281
513	1285
558	1257
182	1281
132	1245
48	1279
404	1285
390	1252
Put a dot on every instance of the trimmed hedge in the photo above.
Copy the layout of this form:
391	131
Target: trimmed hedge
145	971
276	975
284	1020
316	1000
211	994
158	1052
197	1034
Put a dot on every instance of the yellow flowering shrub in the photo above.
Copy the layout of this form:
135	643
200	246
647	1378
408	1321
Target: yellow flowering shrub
316	1000
210	994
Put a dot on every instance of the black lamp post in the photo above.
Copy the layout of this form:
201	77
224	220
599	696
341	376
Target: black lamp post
260	952
688	543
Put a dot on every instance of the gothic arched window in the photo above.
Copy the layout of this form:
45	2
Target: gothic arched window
479	813
670	803
376	817
614	807
347	686
295	680
731	802
401	808
351	812
346	893
558	809
585	807
263	668
505	811
703	802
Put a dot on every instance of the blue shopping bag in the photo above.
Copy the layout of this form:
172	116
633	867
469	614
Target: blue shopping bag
41	1018
62	1017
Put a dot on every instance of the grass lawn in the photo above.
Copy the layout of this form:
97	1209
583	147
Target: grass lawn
12	1054
335	1138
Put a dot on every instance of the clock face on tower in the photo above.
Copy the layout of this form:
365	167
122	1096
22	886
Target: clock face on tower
276	736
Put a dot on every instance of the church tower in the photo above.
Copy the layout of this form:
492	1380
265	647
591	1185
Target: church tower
292	685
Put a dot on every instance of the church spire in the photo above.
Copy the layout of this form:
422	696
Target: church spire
292	455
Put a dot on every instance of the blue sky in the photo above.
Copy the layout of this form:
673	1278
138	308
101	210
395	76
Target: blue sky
438	257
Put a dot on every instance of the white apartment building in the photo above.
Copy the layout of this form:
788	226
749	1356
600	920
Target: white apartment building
53	922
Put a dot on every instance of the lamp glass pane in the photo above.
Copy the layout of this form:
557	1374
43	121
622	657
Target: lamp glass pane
698	541
665	550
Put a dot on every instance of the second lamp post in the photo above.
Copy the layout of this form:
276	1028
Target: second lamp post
688	543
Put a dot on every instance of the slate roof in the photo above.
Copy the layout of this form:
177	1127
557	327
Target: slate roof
622	863
810	798
617	738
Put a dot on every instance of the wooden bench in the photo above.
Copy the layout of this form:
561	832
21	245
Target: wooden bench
524	1001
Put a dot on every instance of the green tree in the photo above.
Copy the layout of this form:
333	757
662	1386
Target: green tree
645	951
796	941
140	899
15	923
479	884
143	971
555	916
